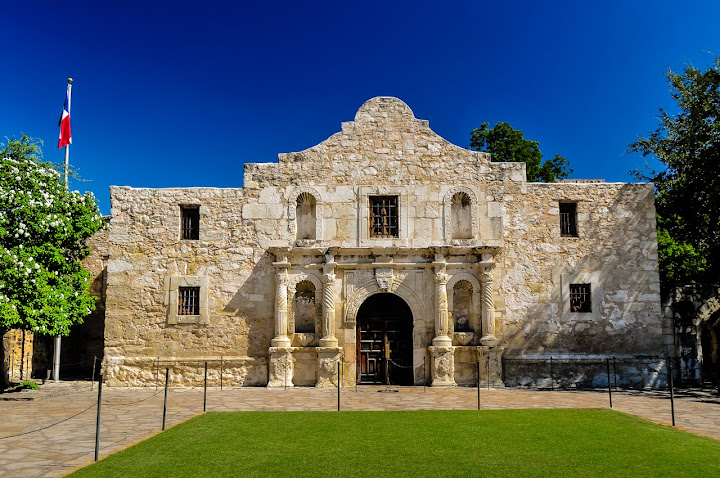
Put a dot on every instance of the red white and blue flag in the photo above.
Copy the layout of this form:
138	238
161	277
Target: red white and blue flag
65	136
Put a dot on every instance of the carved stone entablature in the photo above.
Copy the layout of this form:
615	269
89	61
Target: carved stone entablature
363	291
356	278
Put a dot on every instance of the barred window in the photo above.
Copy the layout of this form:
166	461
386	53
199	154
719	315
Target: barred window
190	222
568	219
384	216
188	300
580	298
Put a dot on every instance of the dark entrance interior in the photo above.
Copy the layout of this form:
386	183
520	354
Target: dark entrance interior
710	334
384	341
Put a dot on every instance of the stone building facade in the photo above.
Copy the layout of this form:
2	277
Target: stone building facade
387	252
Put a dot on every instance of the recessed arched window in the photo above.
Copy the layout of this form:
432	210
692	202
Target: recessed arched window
463	309
305	215
461	216
304	307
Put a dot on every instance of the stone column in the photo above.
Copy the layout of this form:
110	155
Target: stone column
441	309
488	308
328	307
281	306
280	367
442	353
328	352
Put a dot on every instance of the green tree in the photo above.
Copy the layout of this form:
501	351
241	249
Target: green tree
507	144
688	186
43	233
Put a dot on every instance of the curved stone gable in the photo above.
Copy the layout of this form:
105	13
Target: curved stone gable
385	139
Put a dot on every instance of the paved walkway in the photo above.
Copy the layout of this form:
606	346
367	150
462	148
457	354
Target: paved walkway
133	414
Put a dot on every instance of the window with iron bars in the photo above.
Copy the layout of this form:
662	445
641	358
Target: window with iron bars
190	222
383	216
189	301
580	298
568	219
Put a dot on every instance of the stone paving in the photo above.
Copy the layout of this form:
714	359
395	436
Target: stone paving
133	414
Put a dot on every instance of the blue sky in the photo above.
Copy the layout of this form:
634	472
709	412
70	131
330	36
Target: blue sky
184	93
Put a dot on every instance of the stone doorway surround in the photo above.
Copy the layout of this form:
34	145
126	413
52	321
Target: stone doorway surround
419	276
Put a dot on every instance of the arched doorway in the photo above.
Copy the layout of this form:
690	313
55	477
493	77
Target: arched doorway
384	341
709	337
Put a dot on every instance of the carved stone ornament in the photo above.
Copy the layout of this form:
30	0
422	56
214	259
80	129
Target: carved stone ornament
384	278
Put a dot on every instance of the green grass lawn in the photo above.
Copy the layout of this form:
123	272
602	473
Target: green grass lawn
416	443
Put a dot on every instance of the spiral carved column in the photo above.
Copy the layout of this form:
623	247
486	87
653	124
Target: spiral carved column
328	311
488	308
281	309
442	353
441	309
328	352
280	365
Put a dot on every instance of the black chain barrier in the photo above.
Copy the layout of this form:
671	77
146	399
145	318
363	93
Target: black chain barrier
122	404
48	426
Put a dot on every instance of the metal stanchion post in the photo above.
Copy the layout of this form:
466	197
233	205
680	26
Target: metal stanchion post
488	371
205	390
424	376
478	385
97	422
672	396
92	379
552	385
221	372
607	361
338	386
167	374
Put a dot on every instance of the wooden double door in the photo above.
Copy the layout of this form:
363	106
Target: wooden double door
384	348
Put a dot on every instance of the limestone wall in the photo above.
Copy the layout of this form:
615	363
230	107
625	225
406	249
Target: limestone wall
615	252
146	249
17	349
384	152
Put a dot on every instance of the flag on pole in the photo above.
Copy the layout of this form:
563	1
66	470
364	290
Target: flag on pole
65	136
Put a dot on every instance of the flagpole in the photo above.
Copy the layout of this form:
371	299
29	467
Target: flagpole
58	338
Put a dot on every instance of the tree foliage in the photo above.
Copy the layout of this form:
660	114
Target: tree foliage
43	233
507	144
688	188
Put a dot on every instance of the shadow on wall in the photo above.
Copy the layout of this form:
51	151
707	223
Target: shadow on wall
254	307
624	322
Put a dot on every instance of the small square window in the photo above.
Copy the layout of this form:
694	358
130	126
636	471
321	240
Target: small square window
580	298
188	300
568	219
384	216
190	222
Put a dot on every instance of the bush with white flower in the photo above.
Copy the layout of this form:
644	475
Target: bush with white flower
43	233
